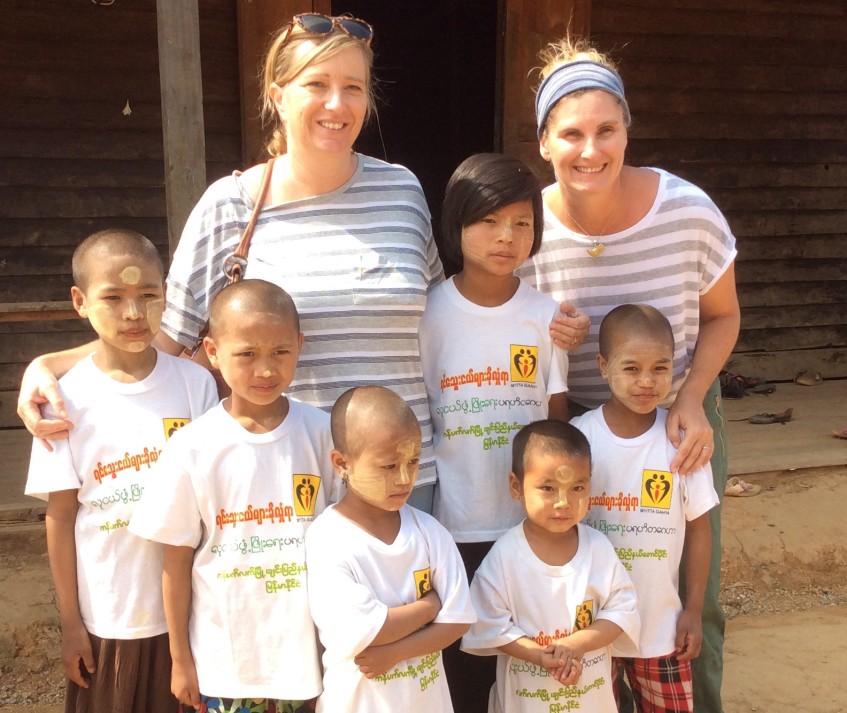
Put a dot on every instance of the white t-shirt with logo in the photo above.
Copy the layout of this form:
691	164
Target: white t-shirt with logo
642	508
354	578
109	457
517	595
243	501
489	371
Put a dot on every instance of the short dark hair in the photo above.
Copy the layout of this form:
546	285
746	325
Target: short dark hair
481	184
374	405
257	295
549	436
633	319
112	242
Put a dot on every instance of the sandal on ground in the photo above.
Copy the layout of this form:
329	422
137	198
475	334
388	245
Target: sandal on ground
808	378
760	418
734	386
764	388
840	434
740	489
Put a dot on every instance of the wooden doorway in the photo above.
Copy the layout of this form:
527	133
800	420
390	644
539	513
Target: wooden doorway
437	69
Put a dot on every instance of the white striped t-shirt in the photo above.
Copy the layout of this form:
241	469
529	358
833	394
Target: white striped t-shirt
357	261
668	259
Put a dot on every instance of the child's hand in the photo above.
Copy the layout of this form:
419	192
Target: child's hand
563	662
689	635
76	653
376	660
184	683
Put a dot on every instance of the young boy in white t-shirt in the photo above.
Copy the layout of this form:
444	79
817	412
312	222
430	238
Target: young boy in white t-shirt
653	517
551	596
387	587
125	400
234	494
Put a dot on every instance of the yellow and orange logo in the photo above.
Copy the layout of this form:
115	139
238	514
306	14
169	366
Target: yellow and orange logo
172	425
584	615
422	581
305	493
656	489
523	363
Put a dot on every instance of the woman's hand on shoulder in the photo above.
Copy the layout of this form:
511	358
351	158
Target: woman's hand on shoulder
38	387
697	442
570	327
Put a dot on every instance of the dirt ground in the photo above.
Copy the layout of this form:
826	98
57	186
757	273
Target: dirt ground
784	590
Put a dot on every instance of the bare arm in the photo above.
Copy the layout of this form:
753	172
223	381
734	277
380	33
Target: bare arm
408	618
377	659
40	386
176	591
697	554
720	319
558	407
60	523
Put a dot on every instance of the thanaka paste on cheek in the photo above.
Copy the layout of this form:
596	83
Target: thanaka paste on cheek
130	275
407	450
155	310
370	483
103	321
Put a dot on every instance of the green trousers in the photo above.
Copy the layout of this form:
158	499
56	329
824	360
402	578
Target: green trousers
707	669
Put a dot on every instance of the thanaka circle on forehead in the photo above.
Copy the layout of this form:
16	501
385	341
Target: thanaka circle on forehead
130	275
565	474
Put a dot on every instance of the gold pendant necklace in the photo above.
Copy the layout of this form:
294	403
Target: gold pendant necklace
596	246
595	249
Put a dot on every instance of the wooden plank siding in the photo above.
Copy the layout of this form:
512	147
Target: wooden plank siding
71	162
747	99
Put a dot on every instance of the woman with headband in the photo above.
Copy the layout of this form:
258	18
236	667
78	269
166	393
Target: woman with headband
348	236
617	234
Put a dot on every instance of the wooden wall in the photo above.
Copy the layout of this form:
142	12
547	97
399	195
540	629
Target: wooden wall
71	161
748	99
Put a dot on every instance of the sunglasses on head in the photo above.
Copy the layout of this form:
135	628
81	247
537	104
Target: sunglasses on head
316	24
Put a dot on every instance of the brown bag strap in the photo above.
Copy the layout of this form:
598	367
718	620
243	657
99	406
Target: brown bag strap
236	263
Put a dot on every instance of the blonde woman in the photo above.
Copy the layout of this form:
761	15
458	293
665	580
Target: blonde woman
346	235
617	234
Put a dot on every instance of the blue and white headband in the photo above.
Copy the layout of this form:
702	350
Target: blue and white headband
570	78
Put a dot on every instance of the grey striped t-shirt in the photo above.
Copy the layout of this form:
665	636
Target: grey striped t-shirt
668	259
357	261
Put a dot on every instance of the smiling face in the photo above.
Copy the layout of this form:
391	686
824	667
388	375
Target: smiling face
554	491
123	298
324	107
639	369
500	242
585	141
256	352
383	472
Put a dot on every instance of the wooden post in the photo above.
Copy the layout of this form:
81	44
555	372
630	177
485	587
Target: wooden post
529	25
258	21
182	110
